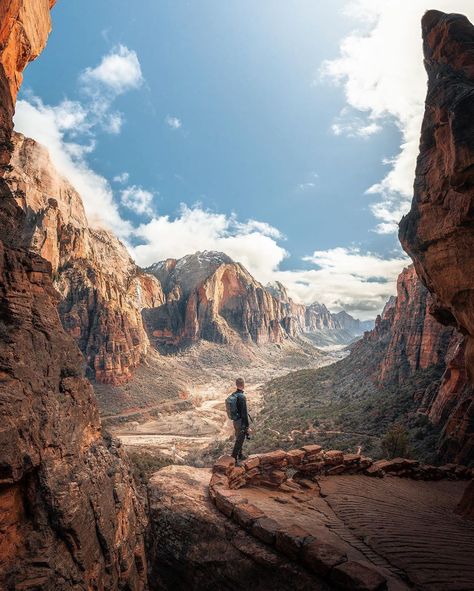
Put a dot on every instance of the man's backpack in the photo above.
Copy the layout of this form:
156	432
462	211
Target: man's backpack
231	407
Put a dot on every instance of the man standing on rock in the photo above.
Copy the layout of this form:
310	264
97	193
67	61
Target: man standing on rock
236	406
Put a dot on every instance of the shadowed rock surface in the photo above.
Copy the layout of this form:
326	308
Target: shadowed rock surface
358	524
438	233
70	518
192	546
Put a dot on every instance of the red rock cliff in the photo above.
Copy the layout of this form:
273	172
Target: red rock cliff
69	513
103	291
407	339
438	233
417	340
212	298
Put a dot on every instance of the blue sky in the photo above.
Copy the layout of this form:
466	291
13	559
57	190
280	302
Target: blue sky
241	125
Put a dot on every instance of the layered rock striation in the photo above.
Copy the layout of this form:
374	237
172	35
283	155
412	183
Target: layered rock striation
102	290
211	297
408	340
438	232
68	507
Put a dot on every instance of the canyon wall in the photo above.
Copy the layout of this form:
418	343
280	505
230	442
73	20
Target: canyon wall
102	290
438	232
407	340
70	518
210	297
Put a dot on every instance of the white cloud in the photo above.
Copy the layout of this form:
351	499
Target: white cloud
252	243
121	178
340	277
43	123
118	71
173	122
113	122
137	199
346	278
381	70
251	226
69	131
352	125
306	186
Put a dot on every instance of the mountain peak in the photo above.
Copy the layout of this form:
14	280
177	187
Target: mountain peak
190	270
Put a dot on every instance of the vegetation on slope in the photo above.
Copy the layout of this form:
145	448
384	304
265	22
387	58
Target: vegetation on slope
340	407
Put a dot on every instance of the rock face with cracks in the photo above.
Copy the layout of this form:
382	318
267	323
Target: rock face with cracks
438	232
102	290
69	513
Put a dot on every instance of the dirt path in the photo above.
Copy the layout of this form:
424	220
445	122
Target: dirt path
133	411
207	379
183	432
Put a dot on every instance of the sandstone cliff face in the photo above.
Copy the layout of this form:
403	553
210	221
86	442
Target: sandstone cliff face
438	233
417	340
24	29
210	297
353	325
407	339
69	513
318	317
103	291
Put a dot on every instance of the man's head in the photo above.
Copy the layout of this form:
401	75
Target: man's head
239	382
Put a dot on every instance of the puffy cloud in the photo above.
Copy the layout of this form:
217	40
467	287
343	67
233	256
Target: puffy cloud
252	243
346	278
42	123
118	71
69	131
354	126
113	122
381	70
173	122
251	226
137	199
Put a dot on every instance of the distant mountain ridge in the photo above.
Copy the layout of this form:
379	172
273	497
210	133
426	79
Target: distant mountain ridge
318	323
116	311
210	296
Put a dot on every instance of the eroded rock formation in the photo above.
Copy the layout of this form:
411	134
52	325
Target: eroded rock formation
346	522
69	512
407	340
438	233
210	297
191	545
102	290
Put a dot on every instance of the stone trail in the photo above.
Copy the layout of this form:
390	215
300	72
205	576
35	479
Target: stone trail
357	524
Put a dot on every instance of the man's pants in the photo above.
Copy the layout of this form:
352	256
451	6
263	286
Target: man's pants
239	439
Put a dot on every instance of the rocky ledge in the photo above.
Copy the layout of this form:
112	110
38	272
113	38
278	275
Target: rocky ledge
275	469
191	545
318	541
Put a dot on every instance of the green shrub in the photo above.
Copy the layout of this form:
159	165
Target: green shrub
396	442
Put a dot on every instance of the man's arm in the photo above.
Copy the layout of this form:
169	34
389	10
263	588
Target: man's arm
242	407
